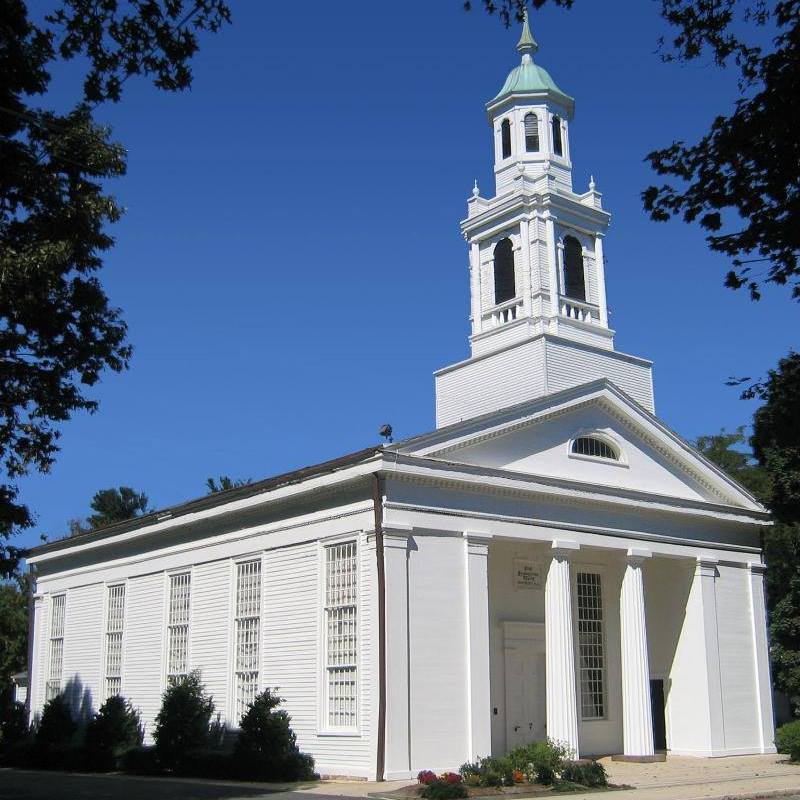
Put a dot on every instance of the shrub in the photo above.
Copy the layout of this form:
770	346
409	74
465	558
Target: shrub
13	725
450	777
182	723
787	739
267	748
426	776
115	728
585	773
140	761
540	761
443	790
56	726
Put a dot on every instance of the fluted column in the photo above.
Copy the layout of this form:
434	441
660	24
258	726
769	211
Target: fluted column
562	712
637	715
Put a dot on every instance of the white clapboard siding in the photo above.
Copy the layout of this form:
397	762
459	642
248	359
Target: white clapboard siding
142	676
211	621
736	658
83	649
291	657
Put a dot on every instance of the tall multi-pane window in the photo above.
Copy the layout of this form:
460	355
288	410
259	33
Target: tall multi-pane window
115	619
574	283
531	133
558	144
591	652
341	640
247	622
56	665
180	590
504	282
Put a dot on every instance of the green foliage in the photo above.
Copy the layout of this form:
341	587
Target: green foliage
13	635
56	727
584	773
444	790
13	725
540	761
140	761
224	483
115	728
58	330
183	721
116	505
787	739
489	771
731	452
267	748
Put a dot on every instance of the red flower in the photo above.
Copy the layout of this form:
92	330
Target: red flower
426	776
450	777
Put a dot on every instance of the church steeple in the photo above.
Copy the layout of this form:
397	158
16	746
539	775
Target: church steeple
537	276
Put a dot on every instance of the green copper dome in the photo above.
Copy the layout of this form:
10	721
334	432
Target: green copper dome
530	78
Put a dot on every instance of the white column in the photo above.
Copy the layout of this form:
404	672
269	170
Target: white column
705	578
562	711
764	712
637	716
476	557
552	257
398	723
475	285
600	269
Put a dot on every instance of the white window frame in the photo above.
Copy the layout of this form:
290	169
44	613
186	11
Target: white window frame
172	627
600	573
326	726
603	436
55	647
114	633
237	703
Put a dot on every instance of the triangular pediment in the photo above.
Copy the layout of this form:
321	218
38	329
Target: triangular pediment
536	438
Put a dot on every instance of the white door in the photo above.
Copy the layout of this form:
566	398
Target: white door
524	694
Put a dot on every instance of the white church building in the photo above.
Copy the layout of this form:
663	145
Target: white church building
551	560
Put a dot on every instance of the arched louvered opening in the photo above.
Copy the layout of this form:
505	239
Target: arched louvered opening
504	288
505	138
574	285
595	447
531	133
558	144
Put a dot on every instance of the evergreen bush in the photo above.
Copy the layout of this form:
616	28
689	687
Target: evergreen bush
787	739
444	790
115	728
13	725
56	727
182	723
267	747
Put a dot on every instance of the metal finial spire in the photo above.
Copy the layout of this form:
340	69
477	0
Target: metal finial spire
526	45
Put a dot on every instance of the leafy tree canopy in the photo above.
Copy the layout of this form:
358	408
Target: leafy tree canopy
741	180
110	506
13	634
58	330
224	483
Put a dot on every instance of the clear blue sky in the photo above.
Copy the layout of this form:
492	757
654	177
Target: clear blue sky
290	263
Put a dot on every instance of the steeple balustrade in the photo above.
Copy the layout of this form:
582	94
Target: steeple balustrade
578	310
502	313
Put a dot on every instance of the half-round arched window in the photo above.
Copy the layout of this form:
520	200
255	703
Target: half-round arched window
504	288
558	144
595	447
505	138
531	133
574	285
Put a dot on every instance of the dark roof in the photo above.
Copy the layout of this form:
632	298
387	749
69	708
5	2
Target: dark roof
211	500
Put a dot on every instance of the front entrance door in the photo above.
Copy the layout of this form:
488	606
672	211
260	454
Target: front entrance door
657	706
525	690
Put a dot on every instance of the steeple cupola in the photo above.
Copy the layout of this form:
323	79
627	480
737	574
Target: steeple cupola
539	316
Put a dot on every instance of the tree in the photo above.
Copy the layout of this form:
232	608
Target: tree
13	634
58	330
110	506
730	452
225	483
741	180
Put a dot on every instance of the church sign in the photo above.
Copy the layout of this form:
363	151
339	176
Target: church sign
527	574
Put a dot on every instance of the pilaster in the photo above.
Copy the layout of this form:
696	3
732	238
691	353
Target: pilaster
562	710
552	258
705	577
475	285
476	585
600	271
764	712
637	717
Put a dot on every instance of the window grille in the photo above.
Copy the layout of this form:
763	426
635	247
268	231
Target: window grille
504	282
574	283
591	650
180	587
558	144
341	640
114	625
592	446
247	623
505	136
56	665
531	133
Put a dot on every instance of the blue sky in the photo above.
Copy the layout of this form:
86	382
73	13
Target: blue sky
290	263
